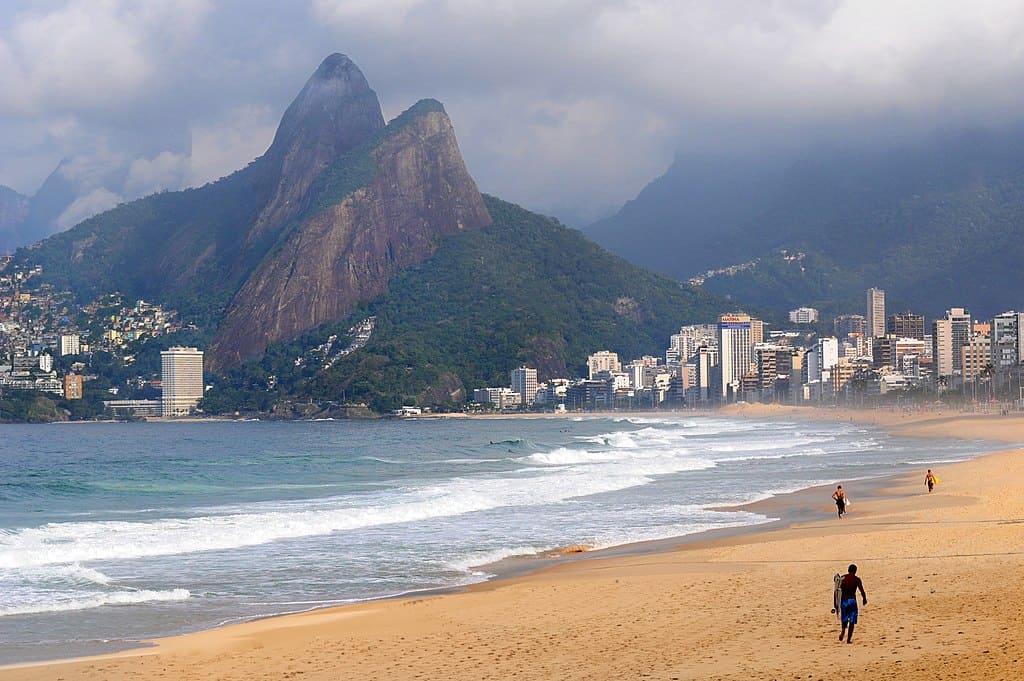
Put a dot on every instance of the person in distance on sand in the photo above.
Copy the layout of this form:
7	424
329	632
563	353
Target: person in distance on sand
840	498
848	600
929	479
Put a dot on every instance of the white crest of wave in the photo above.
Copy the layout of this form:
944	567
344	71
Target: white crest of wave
758	446
97	600
72	572
62	543
472	562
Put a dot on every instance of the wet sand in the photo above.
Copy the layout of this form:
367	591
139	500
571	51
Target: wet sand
942	574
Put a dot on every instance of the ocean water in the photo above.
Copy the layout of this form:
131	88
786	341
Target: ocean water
114	533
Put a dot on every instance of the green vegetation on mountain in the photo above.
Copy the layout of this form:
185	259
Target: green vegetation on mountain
525	290
173	247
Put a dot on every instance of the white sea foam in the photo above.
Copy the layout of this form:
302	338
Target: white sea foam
95	601
765	445
815	451
59	543
934	462
72	572
472	562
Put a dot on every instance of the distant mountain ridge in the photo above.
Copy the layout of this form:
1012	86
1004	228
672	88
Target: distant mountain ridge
56	205
13	210
937	223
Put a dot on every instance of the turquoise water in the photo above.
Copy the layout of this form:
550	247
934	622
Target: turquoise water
112	533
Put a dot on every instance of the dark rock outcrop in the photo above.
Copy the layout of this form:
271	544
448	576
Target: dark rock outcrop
347	252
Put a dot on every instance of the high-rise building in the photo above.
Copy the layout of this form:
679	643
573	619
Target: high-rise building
848	324
820	359
875	316
949	334
708	372
181	377
736	340
890	350
524	382
70	344
976	356
1007	340
775	369
905	325
603	360
684	345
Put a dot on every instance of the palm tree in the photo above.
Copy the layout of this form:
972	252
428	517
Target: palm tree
986	374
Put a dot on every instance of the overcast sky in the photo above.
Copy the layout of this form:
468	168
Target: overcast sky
565	106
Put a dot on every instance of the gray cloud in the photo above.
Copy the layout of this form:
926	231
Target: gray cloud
566	106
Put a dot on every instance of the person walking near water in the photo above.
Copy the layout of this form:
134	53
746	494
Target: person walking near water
848	588
930	480
840	498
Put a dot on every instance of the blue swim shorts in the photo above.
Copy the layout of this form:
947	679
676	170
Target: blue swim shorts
849	609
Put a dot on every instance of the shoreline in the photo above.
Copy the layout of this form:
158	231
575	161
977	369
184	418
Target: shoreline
798	513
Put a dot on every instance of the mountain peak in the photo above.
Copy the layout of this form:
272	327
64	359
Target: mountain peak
335	66
336	106
335	112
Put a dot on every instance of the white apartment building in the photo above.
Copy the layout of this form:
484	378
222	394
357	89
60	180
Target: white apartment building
706	361
524	382
875	317
822	359
948	336
1007	340
603	360
803	315
70	344
182	379
737	336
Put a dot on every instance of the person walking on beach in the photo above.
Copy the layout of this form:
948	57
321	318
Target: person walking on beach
848	588
840	498
929	480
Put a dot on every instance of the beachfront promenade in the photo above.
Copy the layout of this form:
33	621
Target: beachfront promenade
942	572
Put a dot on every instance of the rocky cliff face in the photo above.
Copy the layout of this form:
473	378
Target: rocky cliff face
334	112
347	251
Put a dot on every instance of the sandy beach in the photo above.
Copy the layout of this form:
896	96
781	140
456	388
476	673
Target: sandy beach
942	573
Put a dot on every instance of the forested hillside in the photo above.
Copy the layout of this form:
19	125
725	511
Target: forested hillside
524	290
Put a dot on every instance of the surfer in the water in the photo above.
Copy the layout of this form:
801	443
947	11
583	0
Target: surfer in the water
849	586
840	498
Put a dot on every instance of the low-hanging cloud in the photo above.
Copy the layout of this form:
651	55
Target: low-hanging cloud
566	106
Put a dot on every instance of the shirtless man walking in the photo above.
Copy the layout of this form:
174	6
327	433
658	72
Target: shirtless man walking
840	498
848	601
